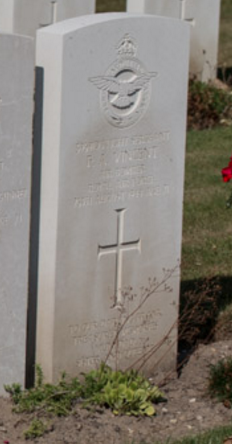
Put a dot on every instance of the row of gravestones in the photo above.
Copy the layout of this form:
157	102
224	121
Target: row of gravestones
24	17
92	216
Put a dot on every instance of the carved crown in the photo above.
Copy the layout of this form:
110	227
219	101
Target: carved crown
127	46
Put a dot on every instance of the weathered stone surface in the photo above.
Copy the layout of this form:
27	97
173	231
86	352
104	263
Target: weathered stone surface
112	189
16	108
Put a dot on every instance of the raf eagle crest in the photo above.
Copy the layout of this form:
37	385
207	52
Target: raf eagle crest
125	87
122	91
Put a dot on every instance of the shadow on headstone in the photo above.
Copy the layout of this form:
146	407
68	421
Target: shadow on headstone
34	234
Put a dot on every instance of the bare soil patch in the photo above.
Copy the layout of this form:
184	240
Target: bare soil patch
188	410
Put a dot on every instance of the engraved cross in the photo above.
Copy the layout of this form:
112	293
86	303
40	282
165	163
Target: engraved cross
119	248
183	13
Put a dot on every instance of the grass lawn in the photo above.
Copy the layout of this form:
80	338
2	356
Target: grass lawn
215	436
207	228
111	5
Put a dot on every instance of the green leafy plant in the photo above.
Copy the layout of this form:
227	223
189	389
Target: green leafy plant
37	428
220	381
57	399
208	106
124	392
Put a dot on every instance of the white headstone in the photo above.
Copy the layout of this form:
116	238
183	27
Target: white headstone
16	108
172	8
114	126
26	16
204	16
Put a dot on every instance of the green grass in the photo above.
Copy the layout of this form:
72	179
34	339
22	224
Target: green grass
220	381
215	436
207	228
111	5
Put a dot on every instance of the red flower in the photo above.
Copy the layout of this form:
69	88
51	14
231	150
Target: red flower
227	172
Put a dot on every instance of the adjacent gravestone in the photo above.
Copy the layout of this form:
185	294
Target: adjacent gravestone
112	189
16	108
26	16
204	29
170	8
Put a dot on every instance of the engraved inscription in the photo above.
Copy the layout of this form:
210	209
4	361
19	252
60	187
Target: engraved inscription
119	248
108	145
136	338
10	216
13	219
13	195
121	196
126	86
94	327
121	169
121	157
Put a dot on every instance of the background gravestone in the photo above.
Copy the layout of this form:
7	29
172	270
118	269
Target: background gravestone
170	8
16	108
114	124
204	29
26	16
